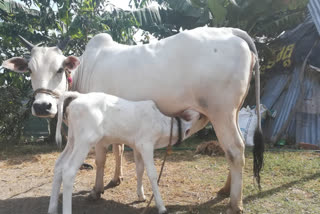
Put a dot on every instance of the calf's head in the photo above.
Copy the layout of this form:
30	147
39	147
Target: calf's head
192	121
47	67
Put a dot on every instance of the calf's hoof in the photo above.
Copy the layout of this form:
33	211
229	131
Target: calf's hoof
113	183
141	198
93	196
163	211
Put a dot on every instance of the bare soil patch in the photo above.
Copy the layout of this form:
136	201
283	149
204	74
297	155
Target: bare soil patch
189	184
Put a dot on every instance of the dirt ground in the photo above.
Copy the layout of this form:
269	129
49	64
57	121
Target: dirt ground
290	182
26	185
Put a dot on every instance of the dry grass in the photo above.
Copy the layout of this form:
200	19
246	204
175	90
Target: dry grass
290	182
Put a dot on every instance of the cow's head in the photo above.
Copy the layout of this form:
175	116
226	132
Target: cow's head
47	67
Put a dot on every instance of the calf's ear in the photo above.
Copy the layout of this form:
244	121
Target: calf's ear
186	127
16	64
71	62
190	115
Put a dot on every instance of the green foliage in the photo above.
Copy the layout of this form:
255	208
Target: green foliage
53	21
167	19
220	12
81	20
258	17
13	111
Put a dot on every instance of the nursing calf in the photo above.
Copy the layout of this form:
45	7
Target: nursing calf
95	119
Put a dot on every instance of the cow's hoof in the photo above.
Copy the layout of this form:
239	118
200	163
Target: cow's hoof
234	211
224	193
113	183
93	196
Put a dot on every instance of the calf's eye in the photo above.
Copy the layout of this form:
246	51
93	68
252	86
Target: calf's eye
60	70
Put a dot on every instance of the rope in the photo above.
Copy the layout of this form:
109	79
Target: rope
169	151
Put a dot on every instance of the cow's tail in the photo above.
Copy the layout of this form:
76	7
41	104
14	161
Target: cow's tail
258	140
63	103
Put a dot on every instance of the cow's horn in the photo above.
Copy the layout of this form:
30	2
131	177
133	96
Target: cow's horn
28	44
63	44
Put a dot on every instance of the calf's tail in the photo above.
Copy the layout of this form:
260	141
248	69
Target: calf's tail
63	103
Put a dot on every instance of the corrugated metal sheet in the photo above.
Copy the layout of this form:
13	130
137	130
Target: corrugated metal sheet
308	114
304	124
314	9
273	89
289	102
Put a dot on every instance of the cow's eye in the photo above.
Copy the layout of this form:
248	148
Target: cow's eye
60	70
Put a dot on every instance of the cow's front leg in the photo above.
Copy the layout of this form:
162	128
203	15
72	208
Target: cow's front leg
118	176
98	188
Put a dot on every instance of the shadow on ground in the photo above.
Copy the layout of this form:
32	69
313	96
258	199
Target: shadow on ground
283	187
81	205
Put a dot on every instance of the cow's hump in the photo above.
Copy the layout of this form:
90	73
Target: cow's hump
100	40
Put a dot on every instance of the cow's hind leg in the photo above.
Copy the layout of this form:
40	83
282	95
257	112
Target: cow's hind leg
118	175
232	143
225	190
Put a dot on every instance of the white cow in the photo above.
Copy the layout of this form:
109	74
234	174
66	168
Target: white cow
205	69
94	116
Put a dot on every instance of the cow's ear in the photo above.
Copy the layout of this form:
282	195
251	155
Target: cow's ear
71	62
17	64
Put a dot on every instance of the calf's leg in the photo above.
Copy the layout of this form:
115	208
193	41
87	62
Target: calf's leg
57	178
139	171
146	152
70	168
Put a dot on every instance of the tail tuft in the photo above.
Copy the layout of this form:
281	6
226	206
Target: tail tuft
258	150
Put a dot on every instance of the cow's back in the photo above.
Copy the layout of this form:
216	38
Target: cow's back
173	72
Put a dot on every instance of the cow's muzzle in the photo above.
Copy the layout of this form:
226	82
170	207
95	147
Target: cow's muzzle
42	109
